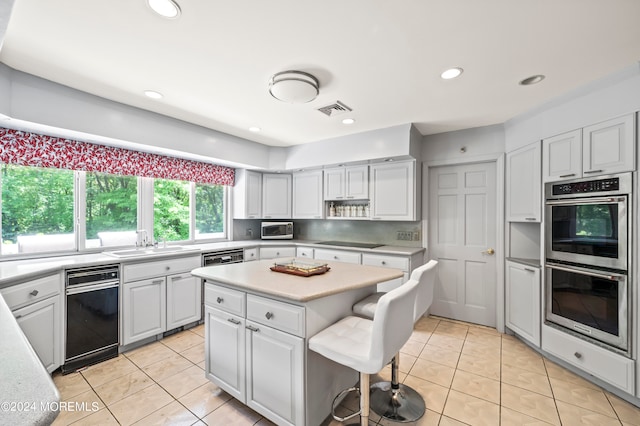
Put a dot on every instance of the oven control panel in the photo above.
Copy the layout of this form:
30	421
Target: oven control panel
587	186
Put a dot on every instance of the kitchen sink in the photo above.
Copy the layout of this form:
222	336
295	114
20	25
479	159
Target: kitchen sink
148	251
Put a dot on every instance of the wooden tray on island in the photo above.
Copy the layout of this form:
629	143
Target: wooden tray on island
302	269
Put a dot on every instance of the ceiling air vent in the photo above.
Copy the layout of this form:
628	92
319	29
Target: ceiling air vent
334	109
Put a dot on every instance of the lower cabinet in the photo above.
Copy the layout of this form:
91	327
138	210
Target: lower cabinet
37	308
161	302
258	364
522	295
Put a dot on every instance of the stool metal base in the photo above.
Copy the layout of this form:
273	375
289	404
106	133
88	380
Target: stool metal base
401	405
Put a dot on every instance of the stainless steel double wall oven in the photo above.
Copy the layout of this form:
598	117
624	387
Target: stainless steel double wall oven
587	228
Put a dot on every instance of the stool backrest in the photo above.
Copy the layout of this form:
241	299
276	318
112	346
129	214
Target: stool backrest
426	276
392	323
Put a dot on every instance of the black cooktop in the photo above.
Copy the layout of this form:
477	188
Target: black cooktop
350	244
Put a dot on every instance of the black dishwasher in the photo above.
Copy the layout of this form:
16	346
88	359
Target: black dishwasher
91	316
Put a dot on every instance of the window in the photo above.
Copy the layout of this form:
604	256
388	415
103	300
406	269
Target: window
37	209
210	211
171	211
111	216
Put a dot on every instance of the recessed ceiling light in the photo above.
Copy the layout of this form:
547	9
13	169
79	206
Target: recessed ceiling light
165	8
254	129
451	73
348	121
153	94
532	80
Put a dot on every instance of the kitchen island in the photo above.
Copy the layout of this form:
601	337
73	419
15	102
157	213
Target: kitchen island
257	323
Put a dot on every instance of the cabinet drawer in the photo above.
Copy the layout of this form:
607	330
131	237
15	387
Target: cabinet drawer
274	252
32	291
228	300
306	252
386	261
144	270
279	315
337	255
603	364
250	254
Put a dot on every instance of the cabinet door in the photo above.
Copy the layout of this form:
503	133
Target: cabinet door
225	351
276	196
247	195
523	301
275	252
609	147
393	191
184	300
41	323
334	183
274	368
357	182
307	195
144	306
562	156
524	187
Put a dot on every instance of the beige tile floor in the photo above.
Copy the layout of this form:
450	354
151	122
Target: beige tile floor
467	375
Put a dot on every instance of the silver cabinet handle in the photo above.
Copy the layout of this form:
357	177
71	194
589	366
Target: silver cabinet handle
18	316
179	277
34	293
252	328
577	355
529	270
383	262
566	176
593	171
233	321
156	282
167	268
219	300
530	218
269	315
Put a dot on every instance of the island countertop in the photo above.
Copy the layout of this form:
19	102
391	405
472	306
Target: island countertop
257	277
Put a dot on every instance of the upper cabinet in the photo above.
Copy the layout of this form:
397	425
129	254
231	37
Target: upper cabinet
602	148
524	188
346	183
307	195
247	195
276	196
393	191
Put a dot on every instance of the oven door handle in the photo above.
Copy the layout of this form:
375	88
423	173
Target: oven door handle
607	276
581	201
91	287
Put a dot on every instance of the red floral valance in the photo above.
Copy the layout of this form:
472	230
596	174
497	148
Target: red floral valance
31	149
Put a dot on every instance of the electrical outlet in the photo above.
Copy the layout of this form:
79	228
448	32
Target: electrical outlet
404	236
415	236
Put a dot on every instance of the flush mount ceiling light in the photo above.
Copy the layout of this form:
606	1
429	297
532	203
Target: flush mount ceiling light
254	129
348	121
451	73
153	94
532	80
294	87
165	8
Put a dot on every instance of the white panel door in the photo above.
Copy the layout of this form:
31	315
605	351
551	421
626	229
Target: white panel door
462	234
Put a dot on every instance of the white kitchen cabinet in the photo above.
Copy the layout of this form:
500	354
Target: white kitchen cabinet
600	149
250	254
144	305
275	252
523	295
386	261
276	196
609	147
184	300
225	346
337	255
562	156
524	186
159	296
346	183
247	195
307	195
393	191
604	364
306	252
37	307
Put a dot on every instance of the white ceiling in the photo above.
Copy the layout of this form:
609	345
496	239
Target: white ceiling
382	58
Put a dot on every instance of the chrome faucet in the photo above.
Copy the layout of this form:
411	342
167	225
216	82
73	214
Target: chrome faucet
141	238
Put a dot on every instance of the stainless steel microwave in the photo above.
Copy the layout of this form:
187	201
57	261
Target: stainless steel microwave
276	230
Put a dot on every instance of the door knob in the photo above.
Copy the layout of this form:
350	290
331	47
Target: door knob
488	251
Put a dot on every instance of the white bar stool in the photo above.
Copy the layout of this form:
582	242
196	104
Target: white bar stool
393	400
367	345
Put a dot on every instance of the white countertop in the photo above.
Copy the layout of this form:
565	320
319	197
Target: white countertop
15	271
258	277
